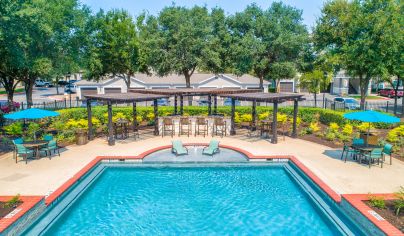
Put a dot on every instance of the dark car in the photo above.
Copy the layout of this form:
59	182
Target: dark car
227	102
203	102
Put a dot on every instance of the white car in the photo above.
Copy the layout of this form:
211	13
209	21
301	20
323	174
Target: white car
70	88
41	83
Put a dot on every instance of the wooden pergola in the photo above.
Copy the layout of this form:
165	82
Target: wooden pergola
181	92
122	98
274	98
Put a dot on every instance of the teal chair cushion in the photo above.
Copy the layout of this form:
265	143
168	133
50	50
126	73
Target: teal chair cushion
48	137
18	141
23	150
358	141
387	148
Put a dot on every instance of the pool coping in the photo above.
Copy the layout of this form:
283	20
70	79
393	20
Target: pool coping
28	202
355	200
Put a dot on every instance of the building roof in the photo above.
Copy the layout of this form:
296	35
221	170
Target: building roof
173	79
194	91
266	97
125	97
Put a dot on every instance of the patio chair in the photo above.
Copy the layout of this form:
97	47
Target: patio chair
51	146
201	126
348	150
168	126
48	137
358	141
375	154
22	151
185	126
219	126
387	150
178	148
212	148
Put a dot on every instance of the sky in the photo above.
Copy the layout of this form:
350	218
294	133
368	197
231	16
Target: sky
311	8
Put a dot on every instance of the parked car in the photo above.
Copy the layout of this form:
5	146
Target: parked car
42	83
227	102
348	103
63	82
162	102
93	103
70	88
203	102
389	92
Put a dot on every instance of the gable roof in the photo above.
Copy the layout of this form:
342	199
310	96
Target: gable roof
173	79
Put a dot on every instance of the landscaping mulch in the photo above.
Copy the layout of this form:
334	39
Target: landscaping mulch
4	210
389	214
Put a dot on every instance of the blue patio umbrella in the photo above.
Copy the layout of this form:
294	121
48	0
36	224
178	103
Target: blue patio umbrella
32	113
371	116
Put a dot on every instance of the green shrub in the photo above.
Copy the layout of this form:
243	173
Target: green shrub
14	129
13	201
399	202
377	202
32	129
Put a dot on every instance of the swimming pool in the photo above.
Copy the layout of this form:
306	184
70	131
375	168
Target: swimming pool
172	199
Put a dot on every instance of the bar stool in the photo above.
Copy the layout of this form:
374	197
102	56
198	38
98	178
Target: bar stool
219	126
168	126
201	126
185	126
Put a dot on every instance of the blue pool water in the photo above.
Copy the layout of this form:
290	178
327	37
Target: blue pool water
193	201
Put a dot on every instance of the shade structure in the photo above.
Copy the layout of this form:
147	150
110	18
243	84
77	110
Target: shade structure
371	116
32	113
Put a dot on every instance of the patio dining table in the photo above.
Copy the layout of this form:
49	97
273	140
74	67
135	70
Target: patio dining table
35	145
364	148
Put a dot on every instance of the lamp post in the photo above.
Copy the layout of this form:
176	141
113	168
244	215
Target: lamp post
70	89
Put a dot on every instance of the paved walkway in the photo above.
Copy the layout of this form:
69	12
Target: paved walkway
40	177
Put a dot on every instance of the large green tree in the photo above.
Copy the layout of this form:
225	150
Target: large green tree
115	50
32	33
268	42
353	31
180	40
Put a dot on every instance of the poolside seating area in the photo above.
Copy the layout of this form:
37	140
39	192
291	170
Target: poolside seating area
363	152
33	148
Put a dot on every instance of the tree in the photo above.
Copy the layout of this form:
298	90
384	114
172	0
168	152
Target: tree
352	31
267	42
315	82
180	41
31	33
115	51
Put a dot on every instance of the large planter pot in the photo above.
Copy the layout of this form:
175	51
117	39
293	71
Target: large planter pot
81	137
371	139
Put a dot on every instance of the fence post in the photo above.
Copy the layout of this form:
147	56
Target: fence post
44	106
22	105
77	101
366	105
344	105
387	106
65	103
56	106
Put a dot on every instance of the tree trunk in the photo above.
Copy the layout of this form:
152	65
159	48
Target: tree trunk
364	84
278	85
127	81
29	86
315	99
396	95
188	85
261	83
9	86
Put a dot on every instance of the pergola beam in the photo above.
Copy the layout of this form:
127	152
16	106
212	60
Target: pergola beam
295	111
233	114
275	124
89	120
156	117
135	124
111	140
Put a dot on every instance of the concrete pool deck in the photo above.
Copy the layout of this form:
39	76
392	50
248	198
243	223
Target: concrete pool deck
41	177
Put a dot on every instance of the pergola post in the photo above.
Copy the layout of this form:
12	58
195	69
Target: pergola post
135	124
175	104
90	120
215	104
233	113
209	104
156	118
254	115
111	140
181	105
295	110
275	123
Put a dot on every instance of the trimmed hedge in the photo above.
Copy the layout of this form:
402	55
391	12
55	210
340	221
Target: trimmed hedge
306	114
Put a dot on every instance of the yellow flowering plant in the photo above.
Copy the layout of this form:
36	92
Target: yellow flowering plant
365	126
347	130
334	127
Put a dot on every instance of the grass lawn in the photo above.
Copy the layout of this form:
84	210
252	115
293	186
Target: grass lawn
368	97
18	90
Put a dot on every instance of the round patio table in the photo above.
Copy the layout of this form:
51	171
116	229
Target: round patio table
35	145
364	148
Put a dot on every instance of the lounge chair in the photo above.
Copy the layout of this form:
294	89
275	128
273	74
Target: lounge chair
387	150
51	146
212	148
22	151
178	148
375	154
